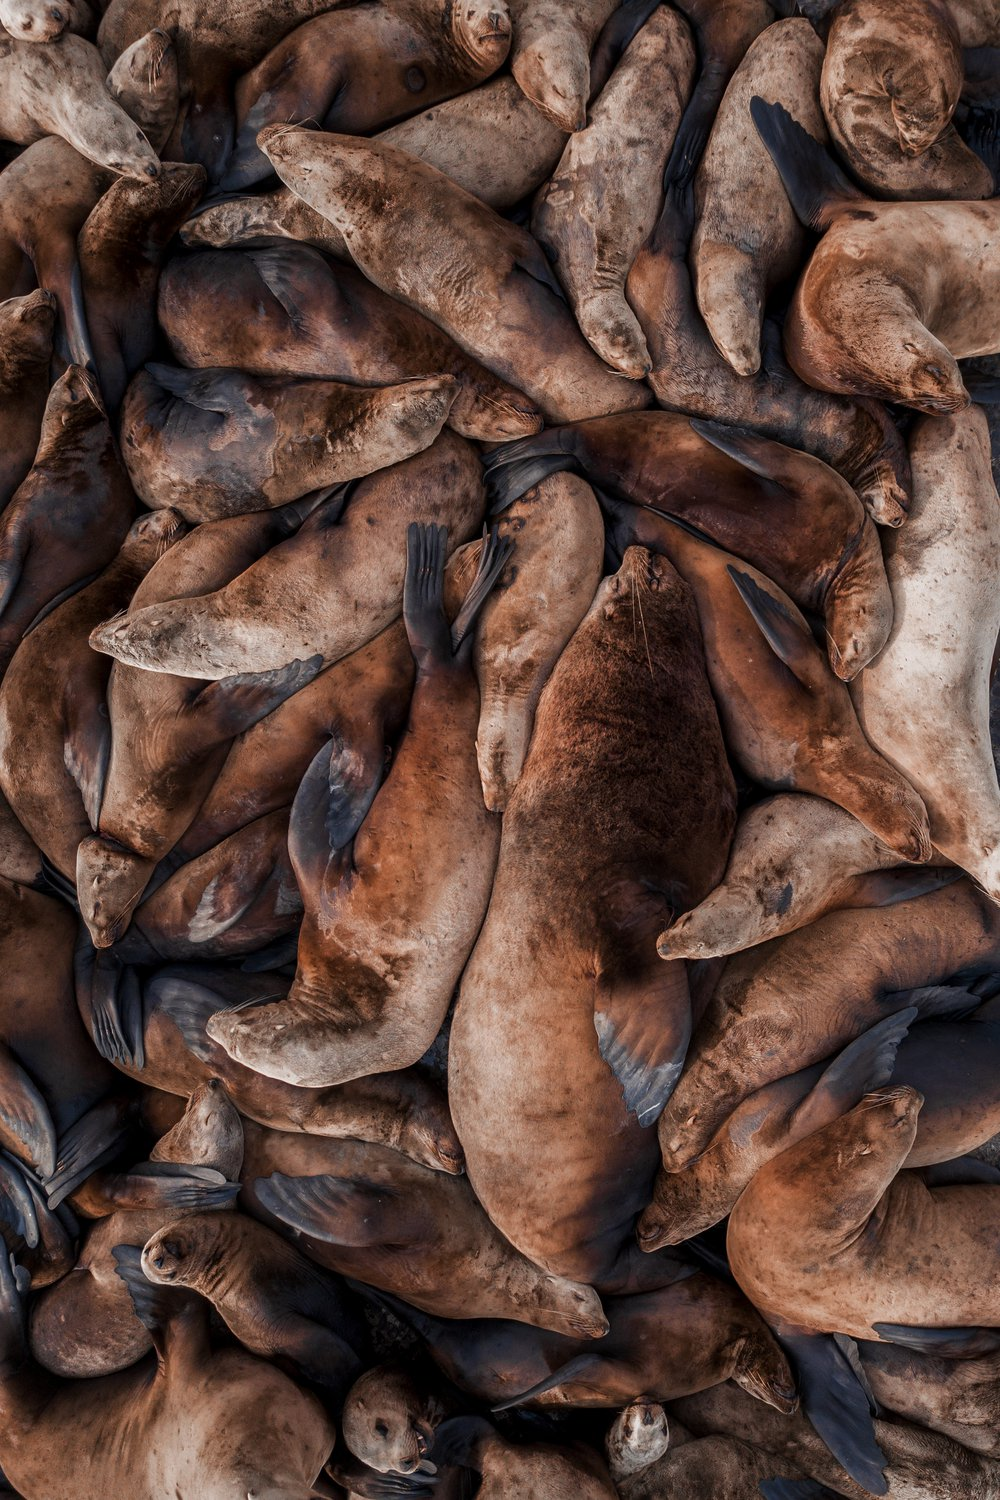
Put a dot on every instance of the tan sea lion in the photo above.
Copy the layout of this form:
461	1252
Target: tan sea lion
748	240
516	323
333	587
797	999
216	443
35	20
368	995
938	658
892	77
27	325
286	310
602	200
916	313
558	1001
355	68
959	1397
550	55
638	1436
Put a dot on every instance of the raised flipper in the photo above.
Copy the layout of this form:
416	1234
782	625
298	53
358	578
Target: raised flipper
864	1065
348	1211
887	887
492	560
96	1137
109	992
837	1405
948	1343
618	32
25	1122
964	1171
575	1370
234	704
817	189
331	804
795	1489
780	623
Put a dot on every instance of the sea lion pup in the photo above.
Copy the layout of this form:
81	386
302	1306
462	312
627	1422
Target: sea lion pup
868	317
215	1423
365	998
70	515
60	90
750	495
959	1397
550	55
940	651
53	718
794	858
855	437
86	1325
216	443
639	1435
551	1000
287	310
892	76
748	240
602	200
854	966
517	323
373	1213
355	68
330	589
27	325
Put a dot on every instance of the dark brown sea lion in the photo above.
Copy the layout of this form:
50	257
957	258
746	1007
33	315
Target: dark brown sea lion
784	511
520	1471
795	1000
286	310
959	1397
53	717
70	515
377	1215
27	325
561	1002
216	443
330	589
372	992
20	856
854	436
516	322
358	67
550	55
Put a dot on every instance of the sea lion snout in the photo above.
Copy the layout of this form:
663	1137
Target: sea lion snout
162	1257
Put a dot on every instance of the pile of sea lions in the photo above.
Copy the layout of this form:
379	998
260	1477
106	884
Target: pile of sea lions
499	833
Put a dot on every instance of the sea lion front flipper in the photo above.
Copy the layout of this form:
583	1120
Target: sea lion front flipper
156	1305
887	887
837	1405
572	1370
948	1343
514	468
347	1211
177	1185
96	1137
817	189
864	1065
331	804
235	704
18	1207
493	559
622	28
24	1115
643	1030
789	638
113	999
189	1005
963	1171
761	455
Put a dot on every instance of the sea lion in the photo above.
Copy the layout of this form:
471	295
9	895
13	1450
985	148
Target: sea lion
550	1003
852	965
959	1397
711	1466
509	1471
638	1436
752	496
516	323
69	517
937	660
358	67
60	90
27	325
330	589
53	717
276	1302
854	436
390	1418
20	856
602	200
550	55
368	995
216	1423
86	1324
314	318
748	240
375	1214
723	31
892	77
35	20
915	310
145	81
216	443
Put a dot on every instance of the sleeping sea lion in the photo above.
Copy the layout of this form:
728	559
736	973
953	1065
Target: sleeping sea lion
561	1002
35	20
330	589
959	1397
355	68
27	325
315	318
522	1471
550	55
712	1466
516	323
603	198
390	1418
216	443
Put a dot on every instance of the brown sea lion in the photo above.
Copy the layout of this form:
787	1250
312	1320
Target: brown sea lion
602	200
520	1471
639	1435
855	437
216	443
935	669
358	67
377	1215
550	55
892	77
959	1397
20	856
369	994
68	518
515	322
868	317
712	1466
797	999
286	310
35	20
390	1418
723	31
145	81
748	240
27	325
754	497
561	1001
333	587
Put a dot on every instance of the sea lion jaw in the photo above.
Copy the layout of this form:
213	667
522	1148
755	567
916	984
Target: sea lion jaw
38	22
568	1307
482	30
380	1425
110	881
145	81
155	532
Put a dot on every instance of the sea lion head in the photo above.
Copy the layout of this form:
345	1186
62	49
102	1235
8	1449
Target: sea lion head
145	81
110	879
762	1369
385	1421
35	20
187	1252
153	534
208	1134
568	1307
482	30
876	1135
74	403
639	1435
687	1202
557	81
26	328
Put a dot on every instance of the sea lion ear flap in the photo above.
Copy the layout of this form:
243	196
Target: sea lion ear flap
865	1065
837	1405
779	622
347	1211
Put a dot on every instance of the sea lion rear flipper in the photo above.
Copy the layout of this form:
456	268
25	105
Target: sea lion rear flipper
963	1171
887	887
24	1114
948	1343
643	1031
96	1137
864	1065
817	189
837	1405
234	704
788	637
341	1210
331	804
493	559
795	1489
622	28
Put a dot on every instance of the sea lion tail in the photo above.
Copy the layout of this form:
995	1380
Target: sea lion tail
817	189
